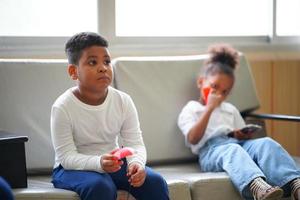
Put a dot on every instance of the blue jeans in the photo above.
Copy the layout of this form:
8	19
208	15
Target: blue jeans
5	190
245	160
91	185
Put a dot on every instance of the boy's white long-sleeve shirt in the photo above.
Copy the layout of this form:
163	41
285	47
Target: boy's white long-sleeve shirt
81	133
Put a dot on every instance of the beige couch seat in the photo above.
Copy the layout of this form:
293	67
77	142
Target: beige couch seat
41	188
202	185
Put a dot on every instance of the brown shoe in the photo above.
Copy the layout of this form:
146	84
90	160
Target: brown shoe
296	194
261	190
295	186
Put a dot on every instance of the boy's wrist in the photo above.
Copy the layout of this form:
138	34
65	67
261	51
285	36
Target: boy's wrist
137	163
100	167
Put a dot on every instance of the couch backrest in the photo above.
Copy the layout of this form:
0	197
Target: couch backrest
161	86
28	89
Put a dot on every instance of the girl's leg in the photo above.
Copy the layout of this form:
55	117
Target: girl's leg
154	187
273	160
233	159
87	184
5	190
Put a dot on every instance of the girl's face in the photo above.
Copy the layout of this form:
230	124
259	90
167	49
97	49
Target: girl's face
220	84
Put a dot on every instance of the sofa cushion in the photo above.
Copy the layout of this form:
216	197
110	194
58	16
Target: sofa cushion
178	189
40	187
202	185
160	87
212	186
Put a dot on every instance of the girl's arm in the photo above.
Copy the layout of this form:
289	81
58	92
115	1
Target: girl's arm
198	130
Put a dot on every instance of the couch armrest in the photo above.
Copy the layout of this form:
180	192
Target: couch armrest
273	117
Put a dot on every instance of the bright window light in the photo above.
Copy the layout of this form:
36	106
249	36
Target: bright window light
47	17
193	17
288	16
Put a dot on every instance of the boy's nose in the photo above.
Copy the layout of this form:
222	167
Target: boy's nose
102	69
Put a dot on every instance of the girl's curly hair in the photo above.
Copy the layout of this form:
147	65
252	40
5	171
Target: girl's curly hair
222	59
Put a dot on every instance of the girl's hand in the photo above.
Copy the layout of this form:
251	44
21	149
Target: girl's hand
110	163
136	174
242	136
214	100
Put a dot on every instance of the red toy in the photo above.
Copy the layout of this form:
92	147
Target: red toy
123	152
205	93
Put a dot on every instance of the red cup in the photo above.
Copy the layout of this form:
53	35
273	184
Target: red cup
205	93
124	152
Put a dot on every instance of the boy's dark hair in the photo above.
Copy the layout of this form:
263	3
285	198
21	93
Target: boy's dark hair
80	41
222	59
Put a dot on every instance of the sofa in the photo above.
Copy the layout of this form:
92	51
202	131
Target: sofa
159	86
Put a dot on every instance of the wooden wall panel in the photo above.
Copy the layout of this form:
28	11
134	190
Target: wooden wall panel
286	100
278	87
262	74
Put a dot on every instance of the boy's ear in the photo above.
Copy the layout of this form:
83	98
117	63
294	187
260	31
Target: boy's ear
72	69
200	81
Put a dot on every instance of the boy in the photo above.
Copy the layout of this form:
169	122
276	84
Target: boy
85	123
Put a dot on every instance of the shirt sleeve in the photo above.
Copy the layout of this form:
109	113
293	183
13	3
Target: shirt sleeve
65	149
186	121
131	133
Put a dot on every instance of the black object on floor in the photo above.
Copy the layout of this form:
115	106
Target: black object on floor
13	160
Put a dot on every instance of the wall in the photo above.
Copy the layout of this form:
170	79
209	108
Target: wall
277	80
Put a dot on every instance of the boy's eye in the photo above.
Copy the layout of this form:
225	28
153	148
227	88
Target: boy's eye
107	62
92	62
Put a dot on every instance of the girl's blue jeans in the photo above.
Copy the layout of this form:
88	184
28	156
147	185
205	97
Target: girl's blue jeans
244	160
91	185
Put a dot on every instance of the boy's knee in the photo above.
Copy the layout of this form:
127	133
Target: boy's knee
105	189
155	180
155	187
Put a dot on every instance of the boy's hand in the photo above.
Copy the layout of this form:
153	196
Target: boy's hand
110	163
214	100
242	136
136	174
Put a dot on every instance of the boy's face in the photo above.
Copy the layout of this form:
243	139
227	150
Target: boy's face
220	84
94	71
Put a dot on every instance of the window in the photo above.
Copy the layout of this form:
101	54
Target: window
154	22
47	17
288	17
192	18
39	29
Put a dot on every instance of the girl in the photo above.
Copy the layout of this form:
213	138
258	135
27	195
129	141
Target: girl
254	170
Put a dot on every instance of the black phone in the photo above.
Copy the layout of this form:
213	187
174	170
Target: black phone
251	128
